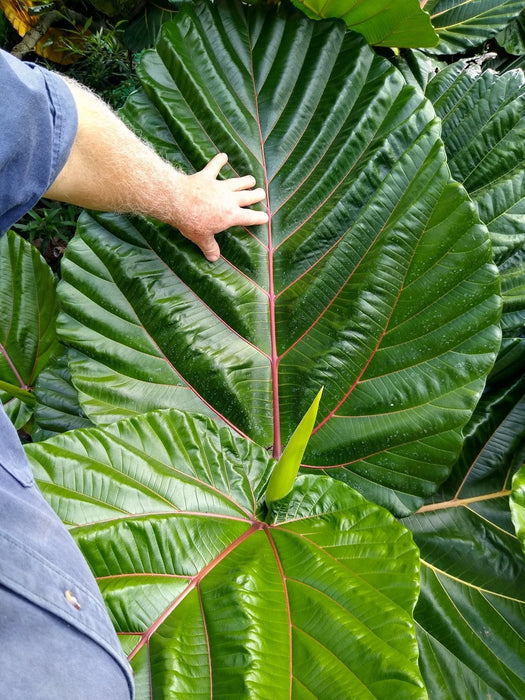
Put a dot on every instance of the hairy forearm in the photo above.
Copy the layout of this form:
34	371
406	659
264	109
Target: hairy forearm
110	169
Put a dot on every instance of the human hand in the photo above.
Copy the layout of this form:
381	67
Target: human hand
208	206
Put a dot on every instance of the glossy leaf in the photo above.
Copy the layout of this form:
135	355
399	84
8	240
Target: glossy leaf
287	468
142	30
461	24
56	409
512	38
401	23
513	294
417	68
210	600
374	278
28	311
517	505
483	121
471	610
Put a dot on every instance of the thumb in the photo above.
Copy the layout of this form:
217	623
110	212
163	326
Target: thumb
210	249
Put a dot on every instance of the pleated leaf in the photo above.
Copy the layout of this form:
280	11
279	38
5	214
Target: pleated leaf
483	121
28	311
209	600
513	295
470	614
401	23
373	279
461	24
56	402
512	37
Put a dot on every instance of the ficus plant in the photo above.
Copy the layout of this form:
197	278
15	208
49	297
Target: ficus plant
391	276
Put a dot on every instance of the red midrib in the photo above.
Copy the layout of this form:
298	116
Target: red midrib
194	582
274	358
13	368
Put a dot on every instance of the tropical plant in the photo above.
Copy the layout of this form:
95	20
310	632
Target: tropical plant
381	22
47	223
368	304
214	596
392	266
28	339
103	63
463	24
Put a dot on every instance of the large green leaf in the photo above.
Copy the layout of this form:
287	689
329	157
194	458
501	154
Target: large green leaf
211	600
461	24
373	279
471	610
28	311
483	122
400	23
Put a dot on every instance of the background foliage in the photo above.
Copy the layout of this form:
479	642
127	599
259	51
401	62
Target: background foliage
362	284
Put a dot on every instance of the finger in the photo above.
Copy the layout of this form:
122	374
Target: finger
215	165
248	197
241	183
210	249
251	217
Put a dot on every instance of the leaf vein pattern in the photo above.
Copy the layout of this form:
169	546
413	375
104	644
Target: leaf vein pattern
193	583
445	118
13	367
478	455
39	329
343	285
479	589
364	458
333	412
199	88
450	351
274	361
287	602
469	20
315	166
340	563
331	653
297	144
194	294
179	374
206	637
109	467
171	468
486	155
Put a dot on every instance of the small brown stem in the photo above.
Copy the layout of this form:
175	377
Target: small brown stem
455	502
33	36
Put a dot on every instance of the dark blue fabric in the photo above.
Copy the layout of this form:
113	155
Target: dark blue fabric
38	123
56	639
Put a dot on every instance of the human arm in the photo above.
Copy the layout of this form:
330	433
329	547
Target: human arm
109	168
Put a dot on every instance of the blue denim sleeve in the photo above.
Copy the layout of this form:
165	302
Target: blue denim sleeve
38	124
